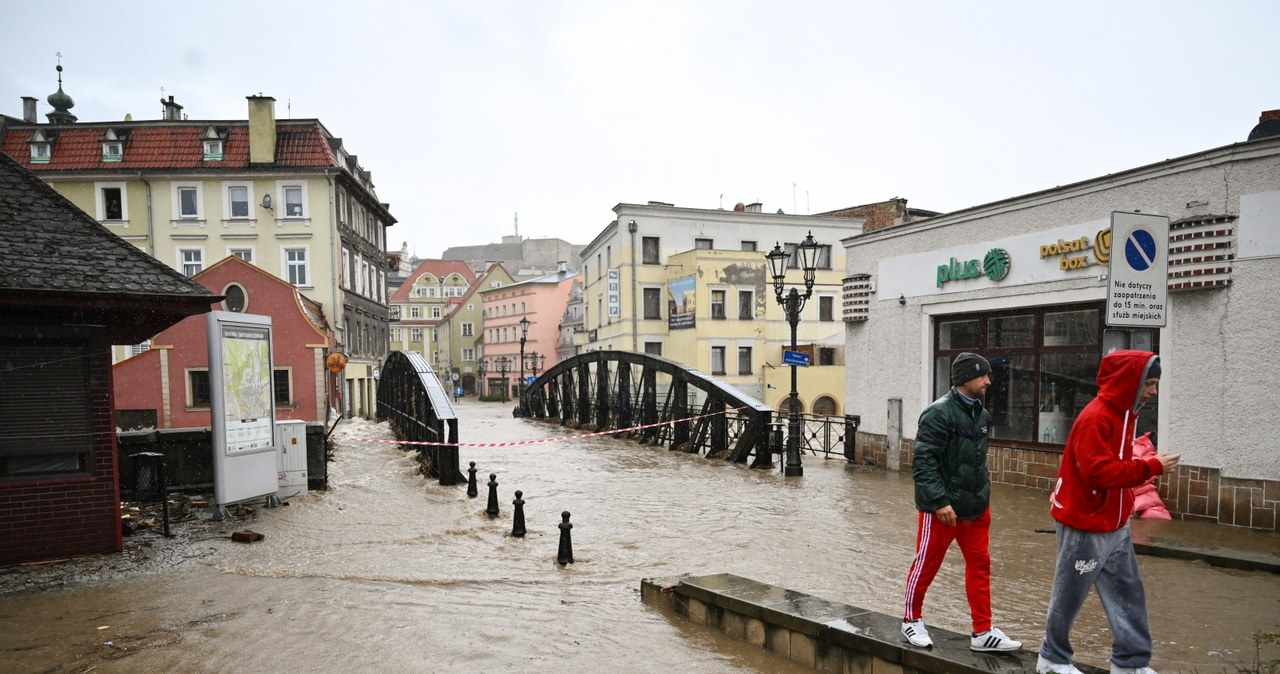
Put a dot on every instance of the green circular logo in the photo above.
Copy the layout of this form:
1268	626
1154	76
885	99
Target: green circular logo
995	265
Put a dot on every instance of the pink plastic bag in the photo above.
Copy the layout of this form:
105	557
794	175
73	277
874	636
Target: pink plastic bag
1146	498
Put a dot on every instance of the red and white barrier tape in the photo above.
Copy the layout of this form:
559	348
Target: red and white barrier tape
540	440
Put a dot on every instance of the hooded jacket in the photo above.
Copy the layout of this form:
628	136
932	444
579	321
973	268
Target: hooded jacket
1098	469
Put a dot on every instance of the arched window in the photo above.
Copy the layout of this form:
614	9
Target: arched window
825	405
784	407
237	299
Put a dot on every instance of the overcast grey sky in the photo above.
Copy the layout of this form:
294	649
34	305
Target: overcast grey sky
468	112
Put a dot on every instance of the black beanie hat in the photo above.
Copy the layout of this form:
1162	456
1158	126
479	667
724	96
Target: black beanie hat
968	366
1153	370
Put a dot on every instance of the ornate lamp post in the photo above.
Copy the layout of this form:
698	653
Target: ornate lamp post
792	302
504	366
480	382
536	361
524	333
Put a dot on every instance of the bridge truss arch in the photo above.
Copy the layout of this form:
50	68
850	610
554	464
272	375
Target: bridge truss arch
416	402
653	400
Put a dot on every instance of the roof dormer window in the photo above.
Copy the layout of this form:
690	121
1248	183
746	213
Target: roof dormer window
112	146
213	144
41	148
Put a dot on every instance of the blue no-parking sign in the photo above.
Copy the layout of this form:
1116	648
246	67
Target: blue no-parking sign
1138	276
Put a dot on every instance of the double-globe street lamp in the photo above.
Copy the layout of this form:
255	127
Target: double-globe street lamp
536	362
504	366
524	334
792	302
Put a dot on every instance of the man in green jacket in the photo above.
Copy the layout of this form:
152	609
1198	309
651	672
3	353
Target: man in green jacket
953	490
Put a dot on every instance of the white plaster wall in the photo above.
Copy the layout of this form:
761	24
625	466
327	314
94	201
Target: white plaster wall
1219	405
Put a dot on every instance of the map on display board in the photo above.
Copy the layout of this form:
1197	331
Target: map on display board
241	405
1138	275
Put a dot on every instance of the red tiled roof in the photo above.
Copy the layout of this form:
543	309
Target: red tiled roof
438	269
152	146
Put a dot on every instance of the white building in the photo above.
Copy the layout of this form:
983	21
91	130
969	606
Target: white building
919	293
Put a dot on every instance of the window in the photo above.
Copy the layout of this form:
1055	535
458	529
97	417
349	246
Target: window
213	150
825	405
198	388
599	267
64	425
744	360
746	305
136	349
653	348
826	355
245	254
346	268
191	261
717	304
295	266
395	335
717	360
282	388
187	200
111	201
1044	363
826	307
468	355
653	303
236	300
435	312
468	329
415	334
238	201
702	244
40	152
293	201
112	150
649	250
749	246
415	312
793	261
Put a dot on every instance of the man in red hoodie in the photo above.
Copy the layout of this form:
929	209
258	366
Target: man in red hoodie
1092	503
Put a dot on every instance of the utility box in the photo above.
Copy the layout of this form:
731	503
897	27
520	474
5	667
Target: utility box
291	458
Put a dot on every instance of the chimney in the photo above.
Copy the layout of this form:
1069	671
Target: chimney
29	109
562	266
172	111
756	207
1268	115
1268	125
262	129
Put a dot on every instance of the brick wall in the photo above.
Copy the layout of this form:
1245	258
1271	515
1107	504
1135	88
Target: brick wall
49	519
1190	492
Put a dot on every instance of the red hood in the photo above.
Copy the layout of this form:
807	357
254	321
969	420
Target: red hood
1120	377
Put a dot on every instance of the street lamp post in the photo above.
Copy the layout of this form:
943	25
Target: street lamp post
480	382
524	333
504	366
792	302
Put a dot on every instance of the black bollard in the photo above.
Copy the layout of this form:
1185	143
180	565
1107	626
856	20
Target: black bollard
471	481
517	520
565	555
493	496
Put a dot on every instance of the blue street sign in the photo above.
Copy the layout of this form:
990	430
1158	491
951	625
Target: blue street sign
528	380
795	358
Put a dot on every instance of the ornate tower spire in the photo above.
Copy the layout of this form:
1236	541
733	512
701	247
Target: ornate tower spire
61	103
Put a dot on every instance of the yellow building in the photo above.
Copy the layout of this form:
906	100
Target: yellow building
284	195
693	285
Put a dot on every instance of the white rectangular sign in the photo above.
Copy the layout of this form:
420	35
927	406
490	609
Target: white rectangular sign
1138	278
242	406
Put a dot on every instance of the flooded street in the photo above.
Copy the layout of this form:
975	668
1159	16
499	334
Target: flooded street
389	572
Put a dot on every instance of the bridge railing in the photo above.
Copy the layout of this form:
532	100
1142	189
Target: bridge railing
414	400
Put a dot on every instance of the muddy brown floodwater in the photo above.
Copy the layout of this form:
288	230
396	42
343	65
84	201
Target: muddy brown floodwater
390	572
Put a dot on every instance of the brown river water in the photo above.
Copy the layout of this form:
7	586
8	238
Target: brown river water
390	572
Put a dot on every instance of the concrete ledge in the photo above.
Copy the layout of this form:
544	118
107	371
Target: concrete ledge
827	636
1243	560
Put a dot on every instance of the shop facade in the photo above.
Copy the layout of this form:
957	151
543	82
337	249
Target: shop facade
1024	282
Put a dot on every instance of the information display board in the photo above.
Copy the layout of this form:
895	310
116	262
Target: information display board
242	406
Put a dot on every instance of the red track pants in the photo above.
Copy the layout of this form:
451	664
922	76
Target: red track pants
932	540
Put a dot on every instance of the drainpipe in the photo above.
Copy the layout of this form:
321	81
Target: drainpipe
635	339
334	281
151	237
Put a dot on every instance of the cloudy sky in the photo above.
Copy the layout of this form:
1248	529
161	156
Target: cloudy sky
470	112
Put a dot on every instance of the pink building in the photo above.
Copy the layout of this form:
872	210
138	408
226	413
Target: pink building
170	382
541	301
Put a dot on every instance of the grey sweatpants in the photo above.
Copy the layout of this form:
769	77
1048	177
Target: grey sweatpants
1087	559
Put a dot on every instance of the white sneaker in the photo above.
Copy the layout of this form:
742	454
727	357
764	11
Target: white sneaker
1131	670
993	640
1045	667
915	632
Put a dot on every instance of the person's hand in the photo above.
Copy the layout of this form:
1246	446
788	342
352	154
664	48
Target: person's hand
1169	461
948	515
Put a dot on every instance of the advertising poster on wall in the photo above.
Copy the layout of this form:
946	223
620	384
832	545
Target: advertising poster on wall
681	304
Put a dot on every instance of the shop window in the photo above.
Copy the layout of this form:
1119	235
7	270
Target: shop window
1044	365
63	421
